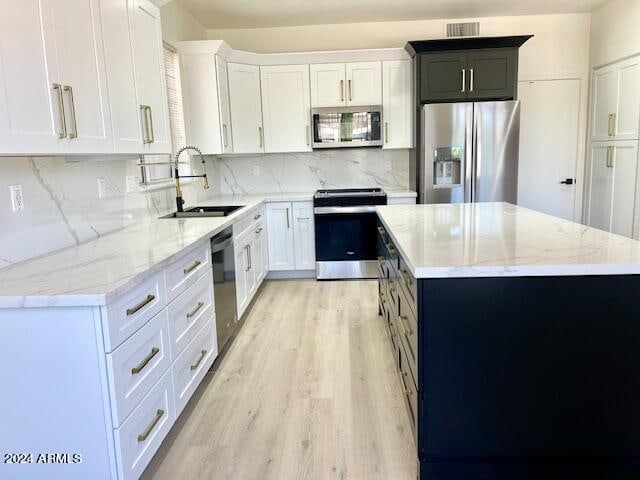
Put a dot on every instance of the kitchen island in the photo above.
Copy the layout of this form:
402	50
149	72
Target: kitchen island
517	341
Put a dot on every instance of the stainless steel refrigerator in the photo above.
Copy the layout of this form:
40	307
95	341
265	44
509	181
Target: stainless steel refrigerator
469	152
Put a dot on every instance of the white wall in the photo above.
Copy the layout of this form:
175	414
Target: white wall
178	24
615	31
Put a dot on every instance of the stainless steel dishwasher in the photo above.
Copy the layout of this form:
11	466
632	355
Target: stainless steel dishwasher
224	285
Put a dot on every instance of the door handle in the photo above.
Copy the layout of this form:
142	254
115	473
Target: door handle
610	156
288	224
63	123
349	89
568	181
342	90
471	79
464	80
611	127
260	136
146	137
152	137
74	132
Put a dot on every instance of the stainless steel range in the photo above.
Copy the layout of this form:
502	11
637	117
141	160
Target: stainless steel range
345	228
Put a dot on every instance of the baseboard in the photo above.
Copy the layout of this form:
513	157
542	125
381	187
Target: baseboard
290	274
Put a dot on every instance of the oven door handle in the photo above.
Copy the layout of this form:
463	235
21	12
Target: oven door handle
344	210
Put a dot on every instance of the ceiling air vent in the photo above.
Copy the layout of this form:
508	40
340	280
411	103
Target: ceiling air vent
462	29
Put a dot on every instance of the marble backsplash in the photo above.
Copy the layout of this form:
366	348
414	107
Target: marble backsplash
63	208
296	172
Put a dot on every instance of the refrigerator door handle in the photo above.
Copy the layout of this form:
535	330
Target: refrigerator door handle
468	157
477	152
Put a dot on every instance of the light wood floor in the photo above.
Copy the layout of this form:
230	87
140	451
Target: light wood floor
308	390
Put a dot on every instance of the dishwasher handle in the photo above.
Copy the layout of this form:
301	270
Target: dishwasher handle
219	244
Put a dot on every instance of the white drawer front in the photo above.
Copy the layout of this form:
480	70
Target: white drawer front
138	439
192	365
133	309
189	312
242	227
136	365
186	270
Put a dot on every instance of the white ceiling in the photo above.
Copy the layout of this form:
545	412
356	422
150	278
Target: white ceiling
276	13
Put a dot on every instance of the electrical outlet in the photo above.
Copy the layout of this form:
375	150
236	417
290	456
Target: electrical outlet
256	170
17	200
102	187
132	183
387	165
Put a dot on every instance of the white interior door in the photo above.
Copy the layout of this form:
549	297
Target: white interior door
397	104
605	98
245	107
121	77
549	125
286	108
600	188
628	110
280	236
625	166
328	86
364	83
304	235
149	68
30	117
77	30
225	107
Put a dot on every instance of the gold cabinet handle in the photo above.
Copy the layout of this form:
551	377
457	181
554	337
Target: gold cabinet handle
342	90
203	353
610	156
408	331
390	248
143	122
152	137
405	276
611	126
192	267
63	122
381	231
350	90
137	369
407	392
386	132
150	298
464	81
260	136
288	224
195	310
74	131
308	134
143	436
471	80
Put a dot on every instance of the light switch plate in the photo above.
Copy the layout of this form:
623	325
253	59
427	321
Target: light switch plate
17	200
388	166
102	187
132	183
256	170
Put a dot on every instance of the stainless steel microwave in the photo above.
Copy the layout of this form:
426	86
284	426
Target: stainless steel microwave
347	126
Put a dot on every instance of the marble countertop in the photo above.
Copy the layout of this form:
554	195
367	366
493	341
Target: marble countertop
94	272
503	240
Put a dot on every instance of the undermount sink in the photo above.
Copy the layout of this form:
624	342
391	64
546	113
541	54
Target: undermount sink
215	211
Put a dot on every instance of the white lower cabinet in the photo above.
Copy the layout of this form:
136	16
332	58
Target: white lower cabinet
193	363
138	439
291	236
612	187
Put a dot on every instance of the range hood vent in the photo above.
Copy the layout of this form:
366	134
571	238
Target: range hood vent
462	29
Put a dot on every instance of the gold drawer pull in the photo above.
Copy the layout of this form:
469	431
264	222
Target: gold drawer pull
203	354
407	392
407	279
390	248
150	298
145	361
257	217
192	267
143	436
381	231
195	310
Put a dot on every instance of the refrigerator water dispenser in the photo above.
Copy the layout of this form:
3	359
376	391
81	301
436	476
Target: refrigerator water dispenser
447	167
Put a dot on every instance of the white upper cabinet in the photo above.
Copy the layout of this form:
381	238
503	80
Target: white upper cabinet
246	108
286	108
304	235
121	77
340	84
29	106
225	107
78	41
364	83
149	69
397	104
328	85
53	90
616	101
